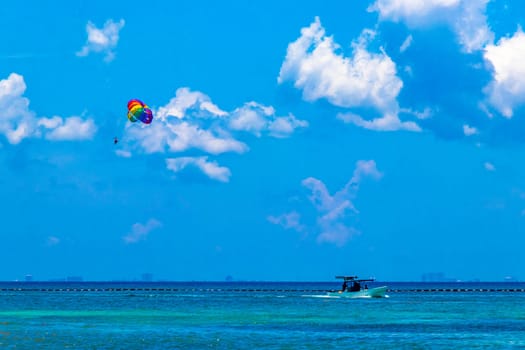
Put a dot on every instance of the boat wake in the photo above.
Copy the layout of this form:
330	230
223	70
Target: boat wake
328	296
322	296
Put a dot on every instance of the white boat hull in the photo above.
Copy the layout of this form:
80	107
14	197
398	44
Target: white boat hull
378	292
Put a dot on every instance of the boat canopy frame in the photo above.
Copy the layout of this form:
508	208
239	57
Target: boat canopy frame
355	279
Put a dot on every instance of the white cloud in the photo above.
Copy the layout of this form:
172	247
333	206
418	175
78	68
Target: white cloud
466	17
365	168
50	123
333	211
291	220
103	39
411	10
365	79
211	169
189	135
472	27
489	166
334	206
251	117
18	122
285	126
406	44
191	121
22	131
13	86
255	118
198	123
507	57
427	113
72	128
140	232
389	122
177	136
469	131
185	99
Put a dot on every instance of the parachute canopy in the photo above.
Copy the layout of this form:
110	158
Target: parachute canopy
138	110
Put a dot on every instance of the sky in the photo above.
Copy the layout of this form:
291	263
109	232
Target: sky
290	141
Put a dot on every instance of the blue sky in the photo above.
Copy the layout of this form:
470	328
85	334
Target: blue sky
290	140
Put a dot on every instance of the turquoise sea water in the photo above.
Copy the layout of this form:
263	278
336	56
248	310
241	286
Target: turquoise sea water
258	316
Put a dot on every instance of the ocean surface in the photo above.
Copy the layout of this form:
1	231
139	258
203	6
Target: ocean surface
259	315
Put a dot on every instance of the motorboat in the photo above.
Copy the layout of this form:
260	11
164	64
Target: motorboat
353	288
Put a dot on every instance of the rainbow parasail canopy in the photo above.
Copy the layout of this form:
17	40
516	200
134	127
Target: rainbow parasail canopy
138	110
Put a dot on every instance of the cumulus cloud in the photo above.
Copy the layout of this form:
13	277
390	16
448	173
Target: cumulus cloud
507	58
256	118
18	121
174	135
333	211
140	231
72	128
366	79
191	121
285	126
185	99
472	27
249	118
466	17
103	39
314	65
50	123
210	169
